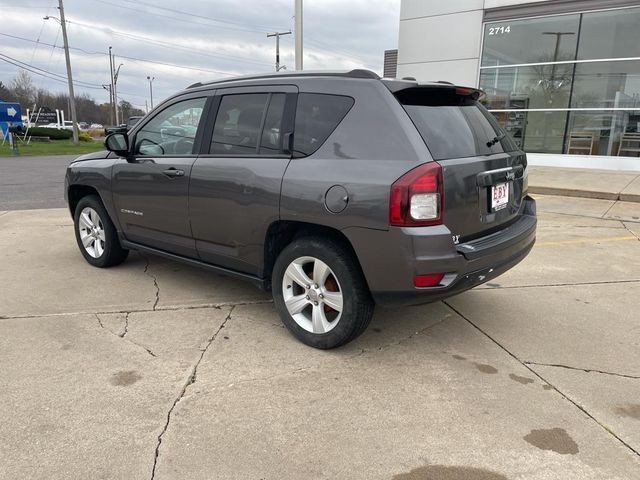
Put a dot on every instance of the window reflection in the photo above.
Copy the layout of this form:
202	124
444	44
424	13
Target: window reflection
610	133
539	86
530	40
543	102
612	34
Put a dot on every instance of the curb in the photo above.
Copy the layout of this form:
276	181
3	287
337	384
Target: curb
568	192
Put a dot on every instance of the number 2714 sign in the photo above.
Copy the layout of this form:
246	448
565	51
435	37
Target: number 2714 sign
500	30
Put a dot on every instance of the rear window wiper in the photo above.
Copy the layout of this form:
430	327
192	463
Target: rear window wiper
496	139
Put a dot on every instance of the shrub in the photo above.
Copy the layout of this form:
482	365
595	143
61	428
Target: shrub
84	137
96	132
52	133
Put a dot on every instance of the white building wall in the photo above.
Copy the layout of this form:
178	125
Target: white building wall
441	40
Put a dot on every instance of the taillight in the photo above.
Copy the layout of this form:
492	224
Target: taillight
417	197
428	280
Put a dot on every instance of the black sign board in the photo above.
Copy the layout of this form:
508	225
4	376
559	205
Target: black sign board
43	116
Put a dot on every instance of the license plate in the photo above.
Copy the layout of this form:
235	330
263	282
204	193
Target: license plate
499	196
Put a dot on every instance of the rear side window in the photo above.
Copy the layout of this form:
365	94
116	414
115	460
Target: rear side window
454	126
246	121
317	116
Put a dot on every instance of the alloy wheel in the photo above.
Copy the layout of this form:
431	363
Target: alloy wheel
91	232
312	295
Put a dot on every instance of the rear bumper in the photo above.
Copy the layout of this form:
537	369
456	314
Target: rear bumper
391	259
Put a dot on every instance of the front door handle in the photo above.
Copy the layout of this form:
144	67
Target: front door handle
173	172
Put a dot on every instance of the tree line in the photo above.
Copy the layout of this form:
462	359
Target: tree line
22	90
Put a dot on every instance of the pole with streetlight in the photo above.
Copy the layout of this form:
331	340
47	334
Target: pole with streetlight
113	118
115	91
151	79
298	14
72	100
556	52
277	35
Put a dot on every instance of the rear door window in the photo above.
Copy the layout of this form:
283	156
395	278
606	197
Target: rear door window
249	124
317	116
452	125
237	127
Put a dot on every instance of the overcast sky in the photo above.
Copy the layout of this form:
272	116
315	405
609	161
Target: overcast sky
212	39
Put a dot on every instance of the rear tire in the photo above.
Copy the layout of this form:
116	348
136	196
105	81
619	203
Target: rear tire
96	235
320	292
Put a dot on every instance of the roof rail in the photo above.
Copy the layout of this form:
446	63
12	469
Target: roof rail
356	73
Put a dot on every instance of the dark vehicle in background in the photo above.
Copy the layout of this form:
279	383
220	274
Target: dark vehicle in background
334	191
132	121
123	127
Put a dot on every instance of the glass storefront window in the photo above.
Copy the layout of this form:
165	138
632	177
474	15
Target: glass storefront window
539	86
536	40
540	132
607	85
606	132
546	105
612	34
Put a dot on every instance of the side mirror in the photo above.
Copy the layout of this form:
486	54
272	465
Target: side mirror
118	143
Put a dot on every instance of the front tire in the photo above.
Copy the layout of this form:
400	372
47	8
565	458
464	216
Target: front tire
96	235
320	293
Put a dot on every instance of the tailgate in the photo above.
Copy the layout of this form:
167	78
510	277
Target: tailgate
481	194
484	173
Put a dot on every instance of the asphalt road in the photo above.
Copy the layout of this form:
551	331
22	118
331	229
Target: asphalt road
32	182
157	370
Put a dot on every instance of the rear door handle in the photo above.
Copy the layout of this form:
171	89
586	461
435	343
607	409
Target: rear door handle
173	172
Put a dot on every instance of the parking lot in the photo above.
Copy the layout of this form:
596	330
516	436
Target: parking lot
157	370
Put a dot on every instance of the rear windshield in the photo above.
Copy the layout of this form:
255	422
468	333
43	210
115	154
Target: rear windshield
454	126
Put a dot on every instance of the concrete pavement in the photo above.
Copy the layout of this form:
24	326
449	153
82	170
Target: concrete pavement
587	183
156	370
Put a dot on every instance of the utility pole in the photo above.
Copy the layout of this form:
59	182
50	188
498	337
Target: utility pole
298	14
151	79
111	88
72	100
115	91
277	35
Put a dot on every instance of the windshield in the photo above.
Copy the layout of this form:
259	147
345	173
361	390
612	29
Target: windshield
454	126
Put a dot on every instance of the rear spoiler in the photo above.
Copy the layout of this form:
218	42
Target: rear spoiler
396	86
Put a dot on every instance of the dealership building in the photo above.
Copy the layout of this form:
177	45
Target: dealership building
562	76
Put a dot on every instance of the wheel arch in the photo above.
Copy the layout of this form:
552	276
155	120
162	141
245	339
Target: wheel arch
78	192
282	232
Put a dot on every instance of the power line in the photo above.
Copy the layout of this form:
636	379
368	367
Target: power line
169	45
31	69
264	29
178	19
63	77
86	52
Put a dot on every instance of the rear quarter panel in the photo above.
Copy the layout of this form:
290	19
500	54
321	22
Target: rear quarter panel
373	146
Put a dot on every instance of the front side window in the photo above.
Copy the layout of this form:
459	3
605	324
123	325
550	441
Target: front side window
172	131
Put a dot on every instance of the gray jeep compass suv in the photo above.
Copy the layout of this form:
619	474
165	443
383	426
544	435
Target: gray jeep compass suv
335	191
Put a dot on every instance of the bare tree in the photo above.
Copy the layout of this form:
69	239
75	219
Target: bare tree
24	91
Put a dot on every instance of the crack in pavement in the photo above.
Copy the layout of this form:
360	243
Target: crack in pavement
577	284
564	395
190	380
126	325
122	336
153	277
624	225
586	370
168	308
